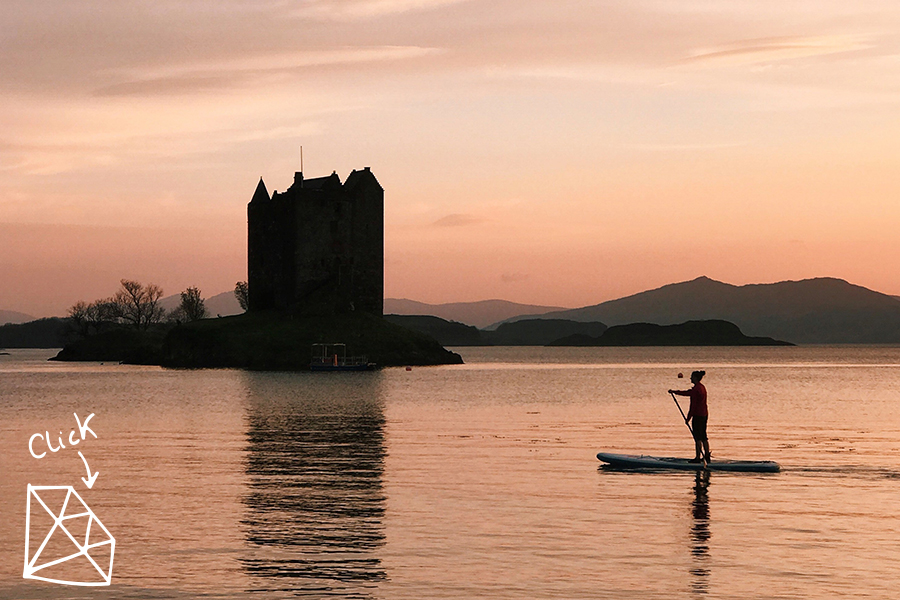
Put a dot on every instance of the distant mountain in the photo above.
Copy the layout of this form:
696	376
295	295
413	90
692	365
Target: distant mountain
480	314
42	333
223	304
691	333
11	316
812	311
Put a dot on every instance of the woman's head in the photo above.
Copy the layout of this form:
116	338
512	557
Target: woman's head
696	376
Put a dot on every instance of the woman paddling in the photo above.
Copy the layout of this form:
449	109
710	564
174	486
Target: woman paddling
700	415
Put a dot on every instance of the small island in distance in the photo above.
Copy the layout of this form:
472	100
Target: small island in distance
562	332
691	333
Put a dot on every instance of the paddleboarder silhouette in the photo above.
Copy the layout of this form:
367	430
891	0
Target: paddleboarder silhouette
698	415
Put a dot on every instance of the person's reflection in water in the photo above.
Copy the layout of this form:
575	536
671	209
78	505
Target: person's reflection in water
315	463
700	533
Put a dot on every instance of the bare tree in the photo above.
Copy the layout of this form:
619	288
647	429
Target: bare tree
192	307
242	293
138	305
78	317
103	312
91	318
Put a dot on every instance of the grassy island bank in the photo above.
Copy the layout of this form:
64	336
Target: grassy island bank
266	340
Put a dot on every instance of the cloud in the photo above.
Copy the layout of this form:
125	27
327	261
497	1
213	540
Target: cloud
514	277
457	220
762	50
198	76
365	9
288	61
165	86
663	147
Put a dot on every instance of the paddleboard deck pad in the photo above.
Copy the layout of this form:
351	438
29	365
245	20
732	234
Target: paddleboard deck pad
632	461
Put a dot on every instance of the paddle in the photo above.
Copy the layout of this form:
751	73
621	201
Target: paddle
682	413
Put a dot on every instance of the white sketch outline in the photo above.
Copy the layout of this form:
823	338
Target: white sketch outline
83	549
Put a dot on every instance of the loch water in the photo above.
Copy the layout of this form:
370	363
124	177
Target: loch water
470	481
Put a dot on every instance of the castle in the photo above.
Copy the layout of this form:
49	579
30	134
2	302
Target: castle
320	241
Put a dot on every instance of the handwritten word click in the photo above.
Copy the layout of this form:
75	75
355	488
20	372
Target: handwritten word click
83	430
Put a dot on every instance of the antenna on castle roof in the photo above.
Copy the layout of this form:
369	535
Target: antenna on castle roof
301	159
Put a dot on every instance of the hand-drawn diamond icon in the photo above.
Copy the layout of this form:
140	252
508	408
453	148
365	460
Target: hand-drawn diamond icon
76	548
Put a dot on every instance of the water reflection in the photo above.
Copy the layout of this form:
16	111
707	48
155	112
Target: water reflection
700	534
315	463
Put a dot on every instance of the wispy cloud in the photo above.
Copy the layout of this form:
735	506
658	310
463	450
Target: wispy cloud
457	220
579	73
286	61
196	76
747	52
664	147
514	277
362	9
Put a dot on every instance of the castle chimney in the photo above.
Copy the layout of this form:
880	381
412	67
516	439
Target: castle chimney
298	179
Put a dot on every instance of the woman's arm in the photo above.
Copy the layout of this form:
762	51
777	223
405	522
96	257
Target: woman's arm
684	393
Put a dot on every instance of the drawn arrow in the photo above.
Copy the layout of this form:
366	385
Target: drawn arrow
89	482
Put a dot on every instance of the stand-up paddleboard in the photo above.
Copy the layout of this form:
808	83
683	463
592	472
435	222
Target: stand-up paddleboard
631	461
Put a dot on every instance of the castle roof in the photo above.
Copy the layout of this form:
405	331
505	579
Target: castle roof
261	193
357	177
317	183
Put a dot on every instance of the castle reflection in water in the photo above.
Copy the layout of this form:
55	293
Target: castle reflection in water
315	462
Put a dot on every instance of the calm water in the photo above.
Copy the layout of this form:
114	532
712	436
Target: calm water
472	481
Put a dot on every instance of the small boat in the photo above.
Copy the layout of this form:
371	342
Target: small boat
333	357
632	461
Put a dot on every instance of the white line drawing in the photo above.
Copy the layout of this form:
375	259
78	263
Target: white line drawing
89	482
73	510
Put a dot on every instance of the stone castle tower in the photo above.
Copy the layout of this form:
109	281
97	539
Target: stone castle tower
320	241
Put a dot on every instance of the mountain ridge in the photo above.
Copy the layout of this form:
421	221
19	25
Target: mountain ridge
482	314
823	310
14	317
224	304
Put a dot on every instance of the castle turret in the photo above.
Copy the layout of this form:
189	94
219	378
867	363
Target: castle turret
261	193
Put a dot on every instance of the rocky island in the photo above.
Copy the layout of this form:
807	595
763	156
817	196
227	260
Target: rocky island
315	258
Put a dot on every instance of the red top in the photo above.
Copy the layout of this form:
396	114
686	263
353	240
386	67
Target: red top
698	401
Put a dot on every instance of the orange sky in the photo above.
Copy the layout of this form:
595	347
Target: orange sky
560	153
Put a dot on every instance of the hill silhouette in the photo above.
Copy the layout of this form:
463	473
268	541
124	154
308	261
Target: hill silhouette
528	332
811	311
480	314
691	333
224	304
41	333
540	332
11	316
447	333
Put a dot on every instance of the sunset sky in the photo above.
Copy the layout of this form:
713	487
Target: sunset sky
562	153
